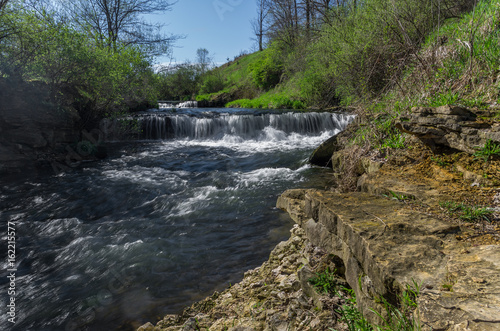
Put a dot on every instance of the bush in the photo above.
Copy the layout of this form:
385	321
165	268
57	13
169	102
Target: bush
211	83
266	72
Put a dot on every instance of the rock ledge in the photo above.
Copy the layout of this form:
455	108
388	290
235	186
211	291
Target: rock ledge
384	247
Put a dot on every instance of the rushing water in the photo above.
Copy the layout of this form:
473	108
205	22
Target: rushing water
161	222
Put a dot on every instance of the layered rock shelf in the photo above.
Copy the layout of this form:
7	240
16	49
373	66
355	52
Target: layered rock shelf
385	247
450	126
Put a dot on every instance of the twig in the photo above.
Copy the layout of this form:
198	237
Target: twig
385	224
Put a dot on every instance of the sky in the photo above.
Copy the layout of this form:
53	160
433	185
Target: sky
221	26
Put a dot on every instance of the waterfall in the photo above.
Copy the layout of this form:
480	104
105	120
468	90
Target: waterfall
158	126
219	126
170	105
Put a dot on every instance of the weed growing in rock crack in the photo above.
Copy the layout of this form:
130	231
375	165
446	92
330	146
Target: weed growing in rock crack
440	162
396	196
350	314
449	281
325	281
489	149
402	317
467	213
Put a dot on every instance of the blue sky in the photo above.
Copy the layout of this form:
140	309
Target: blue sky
221	26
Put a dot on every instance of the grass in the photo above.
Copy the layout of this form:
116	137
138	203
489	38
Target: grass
440	161
401	317
399	197
467	213
350	314
444	98
269	100
485	153
324	282
395	140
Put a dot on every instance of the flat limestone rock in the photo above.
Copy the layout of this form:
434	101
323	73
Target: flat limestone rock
385	247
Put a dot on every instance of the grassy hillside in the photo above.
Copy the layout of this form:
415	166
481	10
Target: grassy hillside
458	65
382	60
255	80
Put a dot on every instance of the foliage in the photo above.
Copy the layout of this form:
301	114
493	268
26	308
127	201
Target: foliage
490	149
324	282
358	51
442	99
394	139
467	213
95	79
398	196
350	314
271	100
440	161
266	72
179	82
402	318
211	83
458	61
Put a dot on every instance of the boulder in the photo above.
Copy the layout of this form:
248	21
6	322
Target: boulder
323	154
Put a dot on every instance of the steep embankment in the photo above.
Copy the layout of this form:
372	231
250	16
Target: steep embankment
254	80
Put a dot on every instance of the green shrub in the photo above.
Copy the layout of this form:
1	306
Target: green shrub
266	71
98	80
211	83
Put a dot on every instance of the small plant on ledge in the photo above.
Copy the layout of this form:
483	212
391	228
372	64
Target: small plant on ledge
324	282
489	149
467	213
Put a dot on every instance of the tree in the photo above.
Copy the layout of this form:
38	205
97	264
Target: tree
120	21
203	59
5	29
259	23
3	3
282	21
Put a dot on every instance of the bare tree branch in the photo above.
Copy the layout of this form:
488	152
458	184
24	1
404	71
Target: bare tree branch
120	21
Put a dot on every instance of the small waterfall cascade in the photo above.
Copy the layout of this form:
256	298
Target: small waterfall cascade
170	105
214	127
242	126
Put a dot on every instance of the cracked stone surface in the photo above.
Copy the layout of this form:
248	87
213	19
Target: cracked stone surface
384	247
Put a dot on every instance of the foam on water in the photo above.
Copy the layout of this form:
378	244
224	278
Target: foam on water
200	199
265	176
